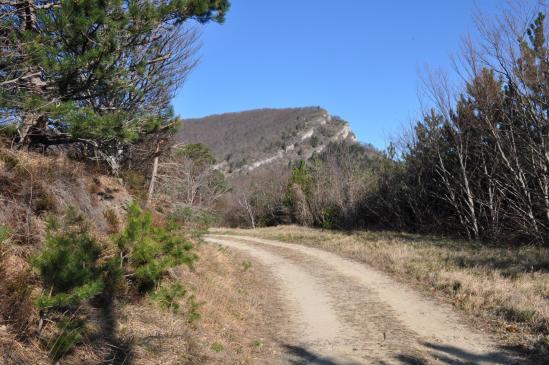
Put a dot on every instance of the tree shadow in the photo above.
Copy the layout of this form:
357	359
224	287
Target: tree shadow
301	356
510	265
120	351
410	360
448	354
445	354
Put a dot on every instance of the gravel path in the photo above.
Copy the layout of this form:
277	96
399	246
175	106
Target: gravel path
342	312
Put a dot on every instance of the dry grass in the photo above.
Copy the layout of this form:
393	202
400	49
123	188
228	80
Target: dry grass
220	321
232	302
112	220
13	353
32	187
507	288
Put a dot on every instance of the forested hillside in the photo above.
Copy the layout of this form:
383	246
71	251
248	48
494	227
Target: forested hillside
256	151
242	142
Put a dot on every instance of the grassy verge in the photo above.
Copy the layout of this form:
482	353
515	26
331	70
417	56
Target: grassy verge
505	287
225	318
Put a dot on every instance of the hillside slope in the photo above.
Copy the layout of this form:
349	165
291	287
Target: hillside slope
214	323
245	141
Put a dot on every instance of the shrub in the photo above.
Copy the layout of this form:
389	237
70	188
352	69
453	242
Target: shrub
168	295
327	218
43	200
73	269
70	271
217	347
302	176
8	131
4	233
68	264
70	334
197	220
112	220
9	159
149	251
194	314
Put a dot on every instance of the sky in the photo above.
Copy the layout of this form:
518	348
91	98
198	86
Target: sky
359	59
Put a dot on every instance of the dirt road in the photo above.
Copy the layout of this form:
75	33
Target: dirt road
343	312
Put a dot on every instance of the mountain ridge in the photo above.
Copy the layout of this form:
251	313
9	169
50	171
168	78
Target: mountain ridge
249	140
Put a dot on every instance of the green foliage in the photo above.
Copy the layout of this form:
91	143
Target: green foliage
70	269
68	264
8	131
455	168
328	218
102	70
194	314
302	176
72	298
70	334
150	250
4	233
168	295
199	153
217	347
9	159
195	219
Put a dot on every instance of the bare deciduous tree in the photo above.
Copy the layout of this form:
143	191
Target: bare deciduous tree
187	177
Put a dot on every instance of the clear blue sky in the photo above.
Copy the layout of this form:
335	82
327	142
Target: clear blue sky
359	59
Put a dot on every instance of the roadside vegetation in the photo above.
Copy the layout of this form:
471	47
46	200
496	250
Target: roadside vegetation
457	205
85	97
225	316
76	287
64	274
503	288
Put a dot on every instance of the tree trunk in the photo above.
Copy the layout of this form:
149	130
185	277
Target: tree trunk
244	203
153	174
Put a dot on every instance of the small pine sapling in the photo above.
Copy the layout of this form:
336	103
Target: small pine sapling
148	250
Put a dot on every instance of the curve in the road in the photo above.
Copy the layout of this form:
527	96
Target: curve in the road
337	303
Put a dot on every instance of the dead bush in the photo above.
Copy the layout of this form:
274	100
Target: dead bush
16	285
112	220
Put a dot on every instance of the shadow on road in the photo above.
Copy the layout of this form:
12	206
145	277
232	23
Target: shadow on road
301	356
444	354
448	354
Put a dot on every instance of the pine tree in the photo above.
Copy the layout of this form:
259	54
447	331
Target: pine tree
148	250
97	72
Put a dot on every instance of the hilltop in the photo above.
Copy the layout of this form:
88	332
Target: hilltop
245	141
